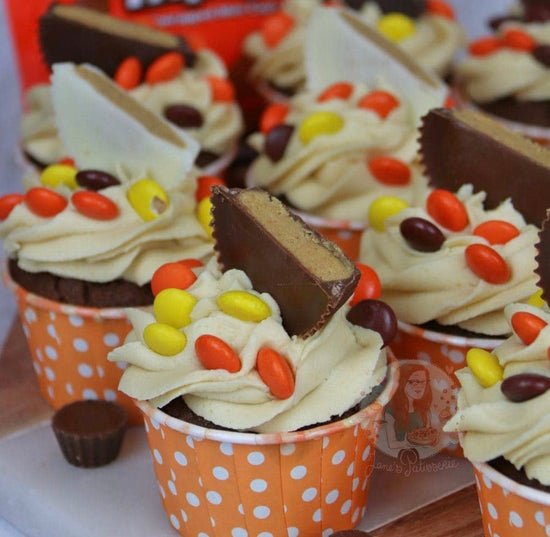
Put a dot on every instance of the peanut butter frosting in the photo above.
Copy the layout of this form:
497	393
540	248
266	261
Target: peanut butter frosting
495	426
334	369
222	121
329	176
439	285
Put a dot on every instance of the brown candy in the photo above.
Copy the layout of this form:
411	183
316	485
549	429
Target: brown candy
463	146
183	115
276	141
73	33
421	234
374	315
307	275
524	386
95	179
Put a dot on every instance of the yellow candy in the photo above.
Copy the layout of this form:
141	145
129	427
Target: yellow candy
204	215
148	199
319	123
484	366
59	174
382	208
536	299
396	26
244	306
164	339
173	307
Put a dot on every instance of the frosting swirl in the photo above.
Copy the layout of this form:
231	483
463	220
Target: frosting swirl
425	286
329	175
334	369
433	44
493	425
222	121
73	245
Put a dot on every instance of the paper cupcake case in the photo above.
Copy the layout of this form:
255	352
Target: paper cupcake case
509	509
447	354
69	346
217	483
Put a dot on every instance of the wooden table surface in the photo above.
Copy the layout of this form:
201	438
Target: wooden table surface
22	406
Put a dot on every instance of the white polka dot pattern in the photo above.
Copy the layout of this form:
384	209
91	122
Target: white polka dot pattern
223	489
506	512
69	353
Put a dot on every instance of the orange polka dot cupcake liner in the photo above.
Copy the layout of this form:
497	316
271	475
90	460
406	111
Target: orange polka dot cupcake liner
216	483
509	509
443	355
69	347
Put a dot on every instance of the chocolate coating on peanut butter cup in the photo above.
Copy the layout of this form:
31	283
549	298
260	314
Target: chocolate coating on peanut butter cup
73	33
543	258
463	146
308	275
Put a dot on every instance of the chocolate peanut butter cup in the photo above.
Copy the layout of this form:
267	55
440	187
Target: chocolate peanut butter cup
308	276
464	146
75	33
90	432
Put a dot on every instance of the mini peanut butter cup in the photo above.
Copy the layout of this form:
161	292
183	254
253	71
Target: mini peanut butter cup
78	34
464	146
90	432
308	275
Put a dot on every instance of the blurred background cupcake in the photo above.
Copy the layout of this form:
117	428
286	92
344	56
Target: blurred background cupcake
506	72
188	88
450	265
427	31
85	237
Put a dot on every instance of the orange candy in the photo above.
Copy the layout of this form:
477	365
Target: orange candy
67	161
128	73
45	202
164	68
380	102
8	202
272	116
204	184
527	326
496	231
484	46
518	40
390	171
275	372
215	353
222	89
446	209
487	264
94	205
449	102
369	285
439	7
340	90
191	263
172	275
276	27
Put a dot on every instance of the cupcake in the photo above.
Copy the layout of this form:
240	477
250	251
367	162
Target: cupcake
506	73
427	31
190	89
450	265
330	150
329	156
84	239
268	389
501	419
